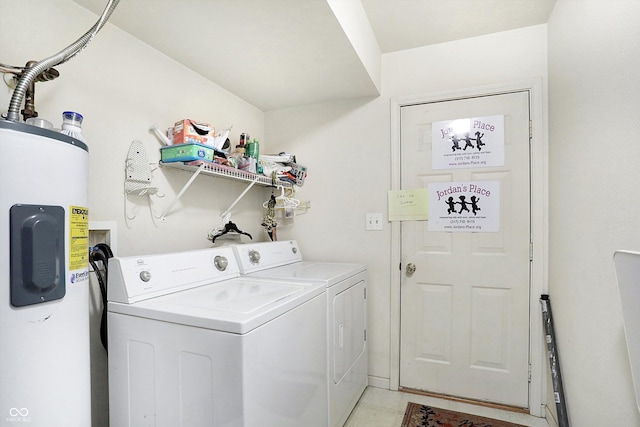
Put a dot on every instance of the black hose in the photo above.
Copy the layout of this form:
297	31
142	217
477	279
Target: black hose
101	253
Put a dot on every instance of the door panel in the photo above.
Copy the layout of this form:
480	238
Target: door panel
465	311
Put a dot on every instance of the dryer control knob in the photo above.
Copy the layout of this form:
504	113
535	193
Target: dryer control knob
145	275
220	263
254	257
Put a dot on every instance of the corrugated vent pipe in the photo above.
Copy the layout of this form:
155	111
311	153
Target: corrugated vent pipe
63	56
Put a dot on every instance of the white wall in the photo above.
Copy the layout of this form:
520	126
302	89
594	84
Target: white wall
594	159
122	86
347	149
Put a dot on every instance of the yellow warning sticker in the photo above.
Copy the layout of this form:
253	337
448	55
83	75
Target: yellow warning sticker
78	238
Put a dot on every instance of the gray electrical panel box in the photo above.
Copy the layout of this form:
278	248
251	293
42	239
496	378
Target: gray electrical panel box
37	247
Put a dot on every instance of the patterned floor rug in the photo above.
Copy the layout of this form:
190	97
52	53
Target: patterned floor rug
418	415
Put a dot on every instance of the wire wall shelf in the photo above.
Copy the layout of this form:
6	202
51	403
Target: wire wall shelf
215	169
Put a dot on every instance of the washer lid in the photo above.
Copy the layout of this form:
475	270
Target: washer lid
237	305
328	273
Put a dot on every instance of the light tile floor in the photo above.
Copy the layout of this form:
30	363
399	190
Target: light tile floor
385	408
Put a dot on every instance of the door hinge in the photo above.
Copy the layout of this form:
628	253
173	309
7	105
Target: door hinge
529	373
365	293
365	334
530	129
530	251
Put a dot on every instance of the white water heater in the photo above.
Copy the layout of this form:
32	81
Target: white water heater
44	279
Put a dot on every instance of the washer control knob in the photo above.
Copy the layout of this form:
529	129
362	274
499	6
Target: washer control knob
254	256
145	275
294	250
220	263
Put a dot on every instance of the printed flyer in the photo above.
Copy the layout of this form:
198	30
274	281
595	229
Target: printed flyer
476	142
472	206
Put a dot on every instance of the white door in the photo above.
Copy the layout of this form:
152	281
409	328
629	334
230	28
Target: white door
465	310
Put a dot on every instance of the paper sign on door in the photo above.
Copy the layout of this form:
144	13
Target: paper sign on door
472	206
476	142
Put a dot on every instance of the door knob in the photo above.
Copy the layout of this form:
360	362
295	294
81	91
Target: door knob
411	268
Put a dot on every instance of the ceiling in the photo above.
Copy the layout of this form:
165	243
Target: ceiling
286	53
407	24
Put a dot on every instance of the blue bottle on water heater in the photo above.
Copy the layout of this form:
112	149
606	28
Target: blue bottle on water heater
72	125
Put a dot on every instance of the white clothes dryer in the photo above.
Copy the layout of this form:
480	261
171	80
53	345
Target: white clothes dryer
193	344
347	359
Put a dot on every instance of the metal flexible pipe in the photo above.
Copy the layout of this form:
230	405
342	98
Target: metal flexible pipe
63	56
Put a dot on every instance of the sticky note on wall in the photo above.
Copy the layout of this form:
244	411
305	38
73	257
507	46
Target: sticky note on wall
408	205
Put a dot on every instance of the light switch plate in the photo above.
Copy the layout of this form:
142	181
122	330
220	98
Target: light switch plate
373	222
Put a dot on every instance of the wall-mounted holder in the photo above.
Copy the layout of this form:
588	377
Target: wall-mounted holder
137	182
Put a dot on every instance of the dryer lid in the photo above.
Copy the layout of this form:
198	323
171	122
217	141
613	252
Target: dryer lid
329	273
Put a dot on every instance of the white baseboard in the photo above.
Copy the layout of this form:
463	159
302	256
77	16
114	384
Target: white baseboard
379	382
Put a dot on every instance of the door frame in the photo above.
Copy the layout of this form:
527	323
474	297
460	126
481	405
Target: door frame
539	226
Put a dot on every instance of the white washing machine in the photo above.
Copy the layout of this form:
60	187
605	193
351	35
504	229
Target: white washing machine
346	292
193	344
